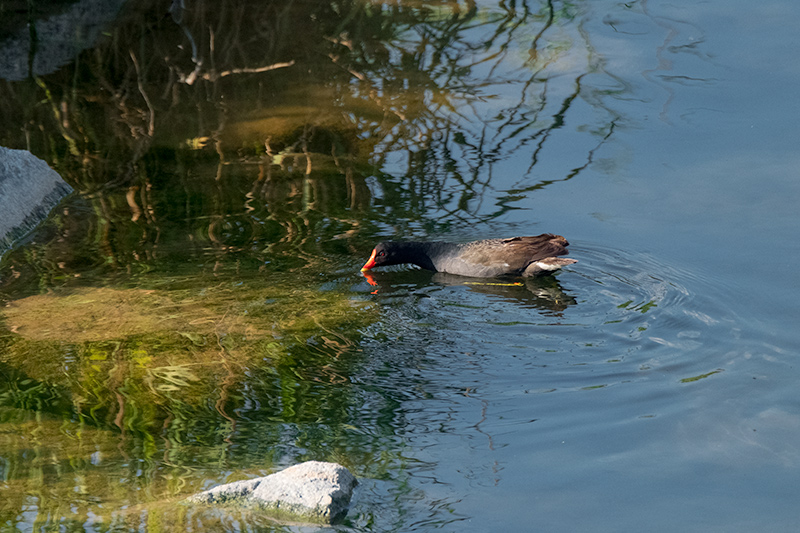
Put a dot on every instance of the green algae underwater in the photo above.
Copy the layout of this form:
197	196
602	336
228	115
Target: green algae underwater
132	395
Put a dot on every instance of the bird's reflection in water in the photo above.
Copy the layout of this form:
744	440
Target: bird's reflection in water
540	293
543	293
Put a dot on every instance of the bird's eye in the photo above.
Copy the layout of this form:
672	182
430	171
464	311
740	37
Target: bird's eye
381	254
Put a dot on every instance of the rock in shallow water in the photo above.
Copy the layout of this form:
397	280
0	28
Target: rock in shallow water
312	491
29	189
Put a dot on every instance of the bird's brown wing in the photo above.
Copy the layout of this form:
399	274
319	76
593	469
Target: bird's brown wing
538	247
515	254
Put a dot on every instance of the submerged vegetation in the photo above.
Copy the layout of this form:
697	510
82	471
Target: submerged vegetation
92	372
186	346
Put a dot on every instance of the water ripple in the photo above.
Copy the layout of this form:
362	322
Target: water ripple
615	317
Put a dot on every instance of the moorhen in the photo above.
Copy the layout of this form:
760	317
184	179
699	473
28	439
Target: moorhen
518	256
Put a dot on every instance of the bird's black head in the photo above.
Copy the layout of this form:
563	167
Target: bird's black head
397	253
385	253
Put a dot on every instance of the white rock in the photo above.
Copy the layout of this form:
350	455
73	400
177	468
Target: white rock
312	491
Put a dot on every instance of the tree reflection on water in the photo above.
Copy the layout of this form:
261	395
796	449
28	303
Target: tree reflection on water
419	111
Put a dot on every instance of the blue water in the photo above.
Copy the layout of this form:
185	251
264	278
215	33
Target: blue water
605	416
609	414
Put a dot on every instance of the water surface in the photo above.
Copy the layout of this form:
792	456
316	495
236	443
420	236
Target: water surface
194	314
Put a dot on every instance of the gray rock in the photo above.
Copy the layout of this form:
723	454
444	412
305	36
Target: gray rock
59	39
312	491
29	189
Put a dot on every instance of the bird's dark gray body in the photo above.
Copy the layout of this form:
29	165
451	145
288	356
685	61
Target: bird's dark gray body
517	256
